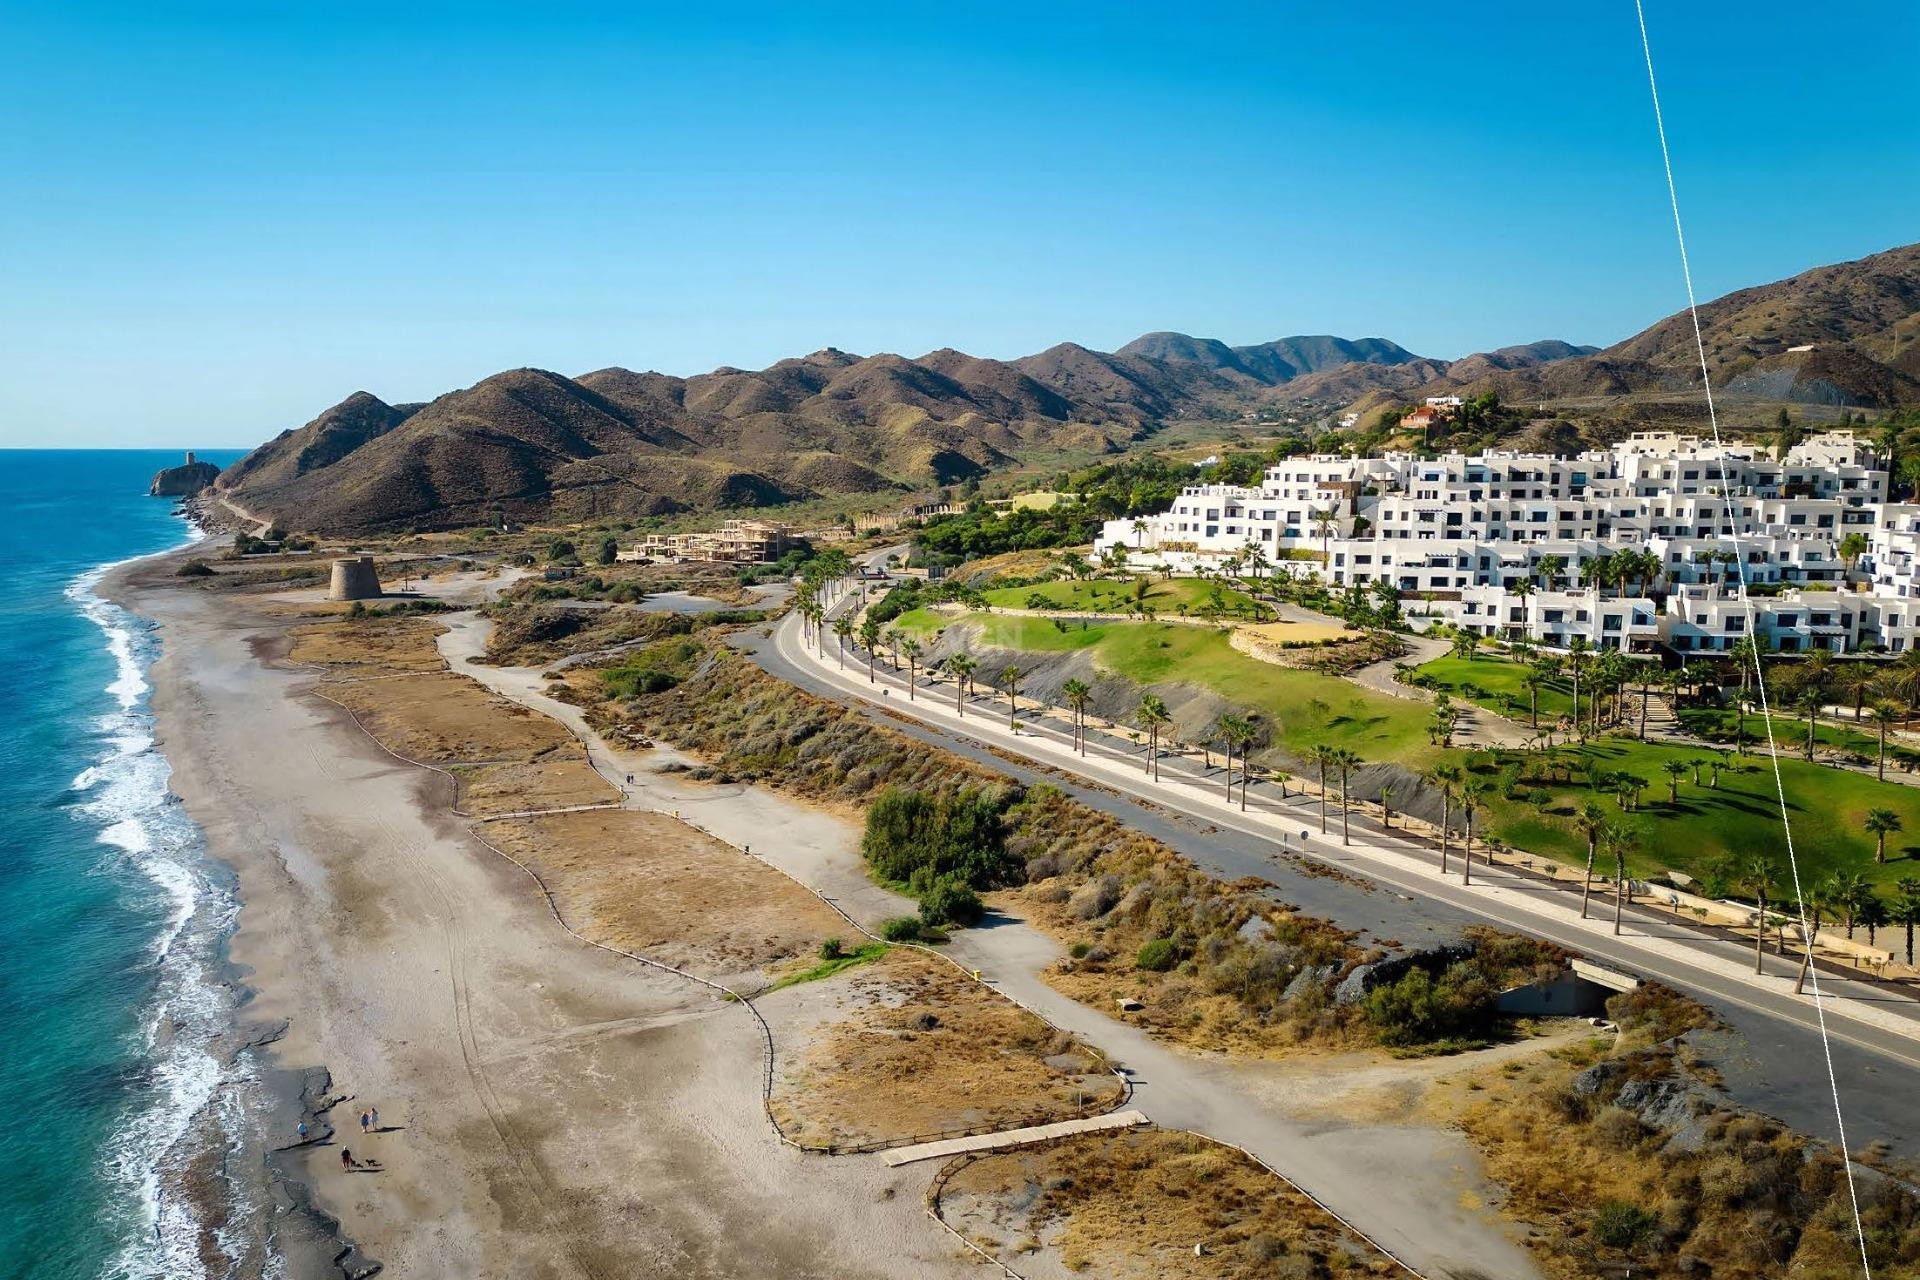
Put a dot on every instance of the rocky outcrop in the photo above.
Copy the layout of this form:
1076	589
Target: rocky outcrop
185	480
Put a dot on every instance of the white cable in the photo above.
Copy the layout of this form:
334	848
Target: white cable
1746	597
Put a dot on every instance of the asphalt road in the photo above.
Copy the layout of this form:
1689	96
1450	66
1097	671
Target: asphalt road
1770	1055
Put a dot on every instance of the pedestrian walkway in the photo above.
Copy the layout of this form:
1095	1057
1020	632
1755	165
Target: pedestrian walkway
1025	1137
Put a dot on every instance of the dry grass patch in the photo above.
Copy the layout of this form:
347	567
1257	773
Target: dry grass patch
1133	1205
554	781
650	884
919	1048
368	647
445	718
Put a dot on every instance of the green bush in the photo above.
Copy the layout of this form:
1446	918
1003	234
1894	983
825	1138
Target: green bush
917	837
1419	1008
901	929
194	569
1619	1225
950	901
1157	956
831	949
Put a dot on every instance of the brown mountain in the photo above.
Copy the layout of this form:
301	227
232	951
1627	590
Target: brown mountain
536	445
1844	334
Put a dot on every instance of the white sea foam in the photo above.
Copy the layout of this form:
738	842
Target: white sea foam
189	1090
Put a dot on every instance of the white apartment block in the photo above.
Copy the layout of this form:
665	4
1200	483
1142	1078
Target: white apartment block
1467	540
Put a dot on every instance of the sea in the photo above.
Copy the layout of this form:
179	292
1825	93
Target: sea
125	1099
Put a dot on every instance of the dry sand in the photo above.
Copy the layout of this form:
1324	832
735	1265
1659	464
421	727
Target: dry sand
549	1109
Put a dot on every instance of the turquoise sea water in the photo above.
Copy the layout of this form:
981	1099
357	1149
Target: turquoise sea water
113	1004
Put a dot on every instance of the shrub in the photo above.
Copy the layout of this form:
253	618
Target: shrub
1419	1008
1157	956
914	834
1079	950
194	569
1619	1225
831	949
901	929
950	901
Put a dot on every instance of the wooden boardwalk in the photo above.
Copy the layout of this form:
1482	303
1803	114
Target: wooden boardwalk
1013	1137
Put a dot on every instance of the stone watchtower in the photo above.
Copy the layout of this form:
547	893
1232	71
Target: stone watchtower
354	579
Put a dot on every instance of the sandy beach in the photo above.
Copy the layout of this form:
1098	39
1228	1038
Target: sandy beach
546	1108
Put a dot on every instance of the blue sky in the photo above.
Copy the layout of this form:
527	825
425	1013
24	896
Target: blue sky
218	220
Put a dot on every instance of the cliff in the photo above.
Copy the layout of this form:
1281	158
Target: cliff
184	480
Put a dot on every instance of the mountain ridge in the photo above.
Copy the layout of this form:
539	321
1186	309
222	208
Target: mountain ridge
535	444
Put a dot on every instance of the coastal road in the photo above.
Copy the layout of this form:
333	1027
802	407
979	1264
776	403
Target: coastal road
1771	1055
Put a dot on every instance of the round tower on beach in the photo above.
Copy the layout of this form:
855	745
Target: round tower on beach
354	579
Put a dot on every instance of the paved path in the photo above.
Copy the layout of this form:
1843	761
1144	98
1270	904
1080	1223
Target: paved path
1773	1060
1477	727
1407	1187
1013	1137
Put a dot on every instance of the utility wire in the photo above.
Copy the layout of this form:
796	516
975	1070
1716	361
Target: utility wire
1760	681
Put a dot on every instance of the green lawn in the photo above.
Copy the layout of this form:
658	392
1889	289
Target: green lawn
1106	595
1790	733
1495	683
1738	818
1307	706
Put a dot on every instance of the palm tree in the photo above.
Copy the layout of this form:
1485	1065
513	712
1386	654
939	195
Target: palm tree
1858	679
1140	528
1010	678
1622	840
870	641
842	628
1472	792
1344	760
1386	806
1881	823
1576	662
1077	692
1674	769
1592	821
1903	680
963	666
1446	779
1239	732
1323	524
1550	569
1809	700
1906	910
1532	680
1152	716
1883	719
910	650
1761	874
1322	755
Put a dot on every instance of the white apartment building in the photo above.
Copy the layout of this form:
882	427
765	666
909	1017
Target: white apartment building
1465	539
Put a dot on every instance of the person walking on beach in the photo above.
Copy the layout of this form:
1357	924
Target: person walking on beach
302	1130
346	1160
373	1113
364	1122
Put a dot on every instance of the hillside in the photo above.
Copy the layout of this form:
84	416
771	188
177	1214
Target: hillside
530	444
1846	334
534	445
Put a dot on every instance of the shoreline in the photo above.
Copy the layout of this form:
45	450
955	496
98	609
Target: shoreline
545	1108
302	1242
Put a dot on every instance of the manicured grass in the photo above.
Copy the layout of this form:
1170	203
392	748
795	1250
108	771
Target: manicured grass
1710	825
1496	683
1303	707
1108	595
1790	733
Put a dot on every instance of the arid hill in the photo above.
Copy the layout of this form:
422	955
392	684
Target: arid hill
529	444
1846	334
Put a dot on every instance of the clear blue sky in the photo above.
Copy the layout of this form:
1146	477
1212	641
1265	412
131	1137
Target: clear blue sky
217	220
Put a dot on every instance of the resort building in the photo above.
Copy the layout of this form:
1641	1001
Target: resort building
735	542
1518	544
